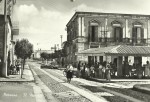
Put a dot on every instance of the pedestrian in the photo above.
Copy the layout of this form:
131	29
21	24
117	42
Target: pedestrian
78	70
92	71
100	70
69	73
82	70
147	69
130	67
103	69
108	76
87	75
96	69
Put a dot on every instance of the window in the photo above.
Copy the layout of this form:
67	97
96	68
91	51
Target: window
137	34
93	32
118	32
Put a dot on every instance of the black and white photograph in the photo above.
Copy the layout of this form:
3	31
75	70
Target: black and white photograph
74	50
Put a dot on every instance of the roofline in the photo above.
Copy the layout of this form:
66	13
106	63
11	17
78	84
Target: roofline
82	12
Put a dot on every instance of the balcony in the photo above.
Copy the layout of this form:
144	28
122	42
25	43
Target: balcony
15	28
94	44
128	41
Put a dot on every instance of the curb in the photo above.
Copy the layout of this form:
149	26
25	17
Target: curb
47	93
32	73
102	81
137	87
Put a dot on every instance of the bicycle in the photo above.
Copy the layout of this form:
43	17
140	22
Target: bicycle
65	72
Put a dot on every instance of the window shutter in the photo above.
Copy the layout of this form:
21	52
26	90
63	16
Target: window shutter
115	34
96	33
89	35
121	34
142	33
134	36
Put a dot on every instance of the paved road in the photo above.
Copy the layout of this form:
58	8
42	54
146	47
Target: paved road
81	90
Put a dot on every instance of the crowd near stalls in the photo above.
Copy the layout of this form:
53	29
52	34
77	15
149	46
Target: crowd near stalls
108	70
102	70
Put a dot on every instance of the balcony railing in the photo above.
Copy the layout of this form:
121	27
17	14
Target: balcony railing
15	28
123	40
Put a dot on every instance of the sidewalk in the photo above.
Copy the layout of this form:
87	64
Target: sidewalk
17	89
142	85
145	88
26	77
119	80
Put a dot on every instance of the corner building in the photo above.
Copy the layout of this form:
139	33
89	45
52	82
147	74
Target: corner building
88	32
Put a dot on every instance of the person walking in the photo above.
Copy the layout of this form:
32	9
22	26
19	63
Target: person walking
147	69
69	73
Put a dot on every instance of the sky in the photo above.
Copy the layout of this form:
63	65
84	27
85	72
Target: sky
43	21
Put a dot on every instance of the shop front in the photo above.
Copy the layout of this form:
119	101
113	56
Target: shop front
129	61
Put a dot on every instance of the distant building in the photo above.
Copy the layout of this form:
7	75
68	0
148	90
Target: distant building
107	33
37	53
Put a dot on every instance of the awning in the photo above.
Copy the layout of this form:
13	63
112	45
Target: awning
120	50
95	51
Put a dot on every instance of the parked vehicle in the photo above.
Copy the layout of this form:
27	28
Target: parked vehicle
45	65
54	65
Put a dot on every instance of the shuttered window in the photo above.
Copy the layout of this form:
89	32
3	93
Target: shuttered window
93	33
137	34
118	34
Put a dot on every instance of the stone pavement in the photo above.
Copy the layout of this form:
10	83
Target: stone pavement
16	89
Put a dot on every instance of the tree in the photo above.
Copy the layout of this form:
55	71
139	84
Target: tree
23	50
44	55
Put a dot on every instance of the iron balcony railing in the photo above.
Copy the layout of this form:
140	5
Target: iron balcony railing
15	28
123	40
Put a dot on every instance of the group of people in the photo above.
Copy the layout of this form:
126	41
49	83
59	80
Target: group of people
101	70
105	70
14	69
136	69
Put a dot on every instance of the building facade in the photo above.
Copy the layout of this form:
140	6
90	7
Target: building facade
87	30
6	36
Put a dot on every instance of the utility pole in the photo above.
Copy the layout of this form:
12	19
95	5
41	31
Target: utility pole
61	36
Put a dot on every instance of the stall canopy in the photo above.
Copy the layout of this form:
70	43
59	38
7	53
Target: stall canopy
120	50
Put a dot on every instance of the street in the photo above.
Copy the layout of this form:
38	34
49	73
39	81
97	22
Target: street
81	90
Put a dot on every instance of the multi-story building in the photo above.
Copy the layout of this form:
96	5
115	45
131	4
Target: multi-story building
7	31
93	36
